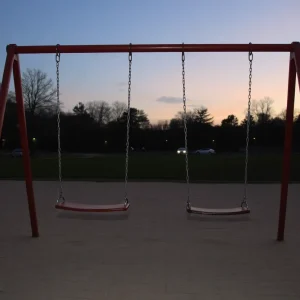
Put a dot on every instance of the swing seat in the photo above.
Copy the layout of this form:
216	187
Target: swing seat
218	211
71	206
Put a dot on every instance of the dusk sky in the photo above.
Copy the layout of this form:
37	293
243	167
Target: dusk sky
218	81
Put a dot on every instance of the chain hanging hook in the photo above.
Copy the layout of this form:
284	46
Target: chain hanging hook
128	124
183	53
244	203
250	55
61	198
57	56
130	53
188	205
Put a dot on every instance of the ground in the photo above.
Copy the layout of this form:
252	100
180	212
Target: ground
154	251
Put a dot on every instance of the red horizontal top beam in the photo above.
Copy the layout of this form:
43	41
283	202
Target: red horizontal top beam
155	48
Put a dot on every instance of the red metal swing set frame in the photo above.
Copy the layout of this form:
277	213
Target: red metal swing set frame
12	64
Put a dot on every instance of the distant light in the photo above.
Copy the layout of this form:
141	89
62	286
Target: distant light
254	138
105	142
166	141
33	139
213	141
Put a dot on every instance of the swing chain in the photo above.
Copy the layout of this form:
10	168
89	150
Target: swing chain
128	124
185	127
57	59
244	203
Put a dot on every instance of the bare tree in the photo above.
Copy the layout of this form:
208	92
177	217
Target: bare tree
38	91
117	110
100	111
190	117
262	110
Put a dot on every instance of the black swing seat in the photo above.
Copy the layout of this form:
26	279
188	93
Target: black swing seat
218	211
71	206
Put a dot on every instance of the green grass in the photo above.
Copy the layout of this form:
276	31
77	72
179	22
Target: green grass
155	167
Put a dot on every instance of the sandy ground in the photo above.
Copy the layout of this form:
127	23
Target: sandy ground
154	251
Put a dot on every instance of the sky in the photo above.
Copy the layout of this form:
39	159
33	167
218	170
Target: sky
218	81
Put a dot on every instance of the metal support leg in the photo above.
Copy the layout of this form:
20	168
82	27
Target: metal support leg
25	148
287	148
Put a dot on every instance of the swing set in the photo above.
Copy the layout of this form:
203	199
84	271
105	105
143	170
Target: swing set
12	64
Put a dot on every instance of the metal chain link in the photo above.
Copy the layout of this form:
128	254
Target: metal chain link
128	124
57	59
244	203
185	130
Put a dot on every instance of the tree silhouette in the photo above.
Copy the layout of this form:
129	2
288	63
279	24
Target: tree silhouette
38	92
175	123
231	120
161	125
80	110
262	110
297	119
117	110
244	122
190	117
201	116
98	126
100	111
138	118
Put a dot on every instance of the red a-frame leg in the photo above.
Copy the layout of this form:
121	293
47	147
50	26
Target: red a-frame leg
294	68
25	148
5	84
12	63
297	62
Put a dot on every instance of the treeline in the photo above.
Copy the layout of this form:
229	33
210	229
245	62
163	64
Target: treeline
99	127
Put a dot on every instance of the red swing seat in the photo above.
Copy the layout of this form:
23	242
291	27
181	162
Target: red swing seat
71	206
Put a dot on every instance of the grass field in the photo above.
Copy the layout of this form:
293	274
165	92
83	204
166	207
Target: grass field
154	167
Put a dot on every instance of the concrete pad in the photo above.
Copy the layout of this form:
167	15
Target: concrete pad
153	251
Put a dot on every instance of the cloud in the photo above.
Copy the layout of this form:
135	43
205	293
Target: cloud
122	83
170	100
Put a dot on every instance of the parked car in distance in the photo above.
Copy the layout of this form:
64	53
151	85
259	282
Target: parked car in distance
17	152
205	151
181	151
